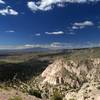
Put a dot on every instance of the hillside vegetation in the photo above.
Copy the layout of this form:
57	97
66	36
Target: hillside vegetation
59	75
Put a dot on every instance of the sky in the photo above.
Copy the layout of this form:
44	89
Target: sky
49	23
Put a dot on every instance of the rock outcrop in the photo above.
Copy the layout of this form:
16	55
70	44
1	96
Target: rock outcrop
89	91
64	71
83	75
61	72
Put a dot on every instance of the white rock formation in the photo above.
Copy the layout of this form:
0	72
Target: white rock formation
84	75
63	71
89	91
60	72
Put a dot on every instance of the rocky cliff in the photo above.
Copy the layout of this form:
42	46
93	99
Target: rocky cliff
80	74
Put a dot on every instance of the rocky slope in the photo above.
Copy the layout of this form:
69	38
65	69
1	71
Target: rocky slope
89	91
77	75
12	94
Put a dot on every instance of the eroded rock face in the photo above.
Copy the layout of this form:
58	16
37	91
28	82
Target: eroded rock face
81	77
73	73
60	72
89	91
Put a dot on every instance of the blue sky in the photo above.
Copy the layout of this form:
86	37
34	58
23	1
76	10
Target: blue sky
49	23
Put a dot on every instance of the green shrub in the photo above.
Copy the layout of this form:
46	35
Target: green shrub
36	93
72	99
15	98
56	96
98	87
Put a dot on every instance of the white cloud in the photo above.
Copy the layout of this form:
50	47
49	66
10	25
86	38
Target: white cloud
85	23
32	6
52	46
81	25
2	2
98	27
55	33
10	31
38	34
45	5
75	27
71	33
55	44
59	45
29	46
8	11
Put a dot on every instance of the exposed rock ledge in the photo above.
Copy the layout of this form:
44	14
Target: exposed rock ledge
64	71
89	91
